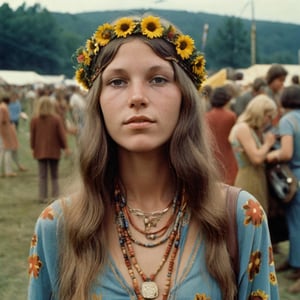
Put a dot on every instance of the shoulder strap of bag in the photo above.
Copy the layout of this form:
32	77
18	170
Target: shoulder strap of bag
232	240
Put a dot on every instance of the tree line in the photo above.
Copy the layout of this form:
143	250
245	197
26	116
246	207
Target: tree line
32	38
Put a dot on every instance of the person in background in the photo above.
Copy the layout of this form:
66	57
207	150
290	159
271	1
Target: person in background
289	151
77	106
275	79
148	218
220	120
295	79
242	100
251	145
206	92
15	109
15	114
9	140
47	139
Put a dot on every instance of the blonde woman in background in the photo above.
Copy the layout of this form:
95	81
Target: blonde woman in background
251	145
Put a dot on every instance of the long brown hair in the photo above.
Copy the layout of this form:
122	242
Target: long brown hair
83	249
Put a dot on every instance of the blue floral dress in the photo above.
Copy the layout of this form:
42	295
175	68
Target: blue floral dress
256	279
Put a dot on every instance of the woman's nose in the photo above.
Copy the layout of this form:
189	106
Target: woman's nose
138	97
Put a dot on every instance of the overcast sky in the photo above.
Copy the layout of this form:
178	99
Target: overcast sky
271	10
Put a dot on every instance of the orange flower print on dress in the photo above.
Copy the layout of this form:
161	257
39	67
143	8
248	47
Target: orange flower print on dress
258	295
96	297
254	264
201	297
271	256
253	213
33	241
34	265
47	213
273	278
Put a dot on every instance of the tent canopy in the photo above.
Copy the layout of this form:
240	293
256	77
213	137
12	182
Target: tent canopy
28	77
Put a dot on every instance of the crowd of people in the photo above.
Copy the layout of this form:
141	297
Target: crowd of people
266	129
51	114
157	151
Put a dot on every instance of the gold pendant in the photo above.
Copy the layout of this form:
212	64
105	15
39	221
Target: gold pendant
149	290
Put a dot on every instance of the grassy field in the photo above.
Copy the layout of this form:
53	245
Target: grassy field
19	209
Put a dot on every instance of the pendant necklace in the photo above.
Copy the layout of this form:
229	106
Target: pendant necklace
149	288
151	219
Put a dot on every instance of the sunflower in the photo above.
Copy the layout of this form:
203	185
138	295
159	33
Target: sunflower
90	46
103	34
80	77
87	59
124	27
184	46
151	27
198	65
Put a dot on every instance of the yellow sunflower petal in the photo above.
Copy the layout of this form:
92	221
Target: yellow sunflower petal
184	46
79	74
124	27
151	27
90	46
199	65
104	34
87	59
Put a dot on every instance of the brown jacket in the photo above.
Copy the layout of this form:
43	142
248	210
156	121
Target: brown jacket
47	137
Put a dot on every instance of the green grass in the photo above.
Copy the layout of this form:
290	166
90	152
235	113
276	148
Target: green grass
19	209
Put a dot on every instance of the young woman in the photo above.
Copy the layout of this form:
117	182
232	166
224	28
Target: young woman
251	145
149	220
289	151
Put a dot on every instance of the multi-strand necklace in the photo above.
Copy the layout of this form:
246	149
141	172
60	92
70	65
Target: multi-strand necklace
149	288
150	219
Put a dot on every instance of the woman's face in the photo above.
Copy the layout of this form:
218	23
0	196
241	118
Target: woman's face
268	118
140	99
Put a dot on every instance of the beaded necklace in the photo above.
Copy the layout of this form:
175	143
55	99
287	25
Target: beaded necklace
149	289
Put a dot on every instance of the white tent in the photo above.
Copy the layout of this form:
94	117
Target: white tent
20	77
53	79
29	77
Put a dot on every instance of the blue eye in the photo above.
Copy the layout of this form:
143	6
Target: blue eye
159	80
117	82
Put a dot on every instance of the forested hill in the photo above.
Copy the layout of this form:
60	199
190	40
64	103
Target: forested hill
32	38
275	42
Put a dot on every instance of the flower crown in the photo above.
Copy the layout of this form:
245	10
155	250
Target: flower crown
188	57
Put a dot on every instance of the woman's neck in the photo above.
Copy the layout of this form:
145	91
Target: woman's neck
148	180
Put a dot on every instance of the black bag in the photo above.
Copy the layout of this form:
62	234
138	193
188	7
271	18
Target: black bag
283	184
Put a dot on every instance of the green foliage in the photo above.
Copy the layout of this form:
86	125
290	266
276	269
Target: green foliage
232	38
31	38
